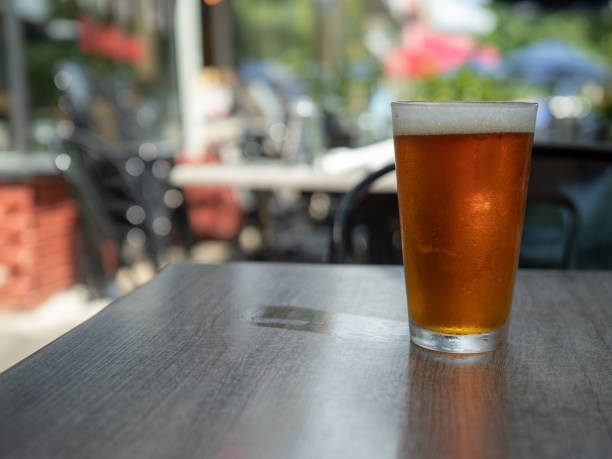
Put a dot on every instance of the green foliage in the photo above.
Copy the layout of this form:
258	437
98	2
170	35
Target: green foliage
332	61
276	29
588	30
294	33
41	56
464	84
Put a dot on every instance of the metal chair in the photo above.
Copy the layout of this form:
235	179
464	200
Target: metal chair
568	222
345	210
122	189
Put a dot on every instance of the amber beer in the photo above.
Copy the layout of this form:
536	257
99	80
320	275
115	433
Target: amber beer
462	173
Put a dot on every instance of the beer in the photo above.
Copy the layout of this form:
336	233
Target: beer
462	182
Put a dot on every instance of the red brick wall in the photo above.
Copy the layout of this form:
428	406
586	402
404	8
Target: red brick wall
214	212
38	228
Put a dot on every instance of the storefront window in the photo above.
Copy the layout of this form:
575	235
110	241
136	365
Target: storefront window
107	63
5	130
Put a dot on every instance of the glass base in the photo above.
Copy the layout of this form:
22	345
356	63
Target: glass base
457	344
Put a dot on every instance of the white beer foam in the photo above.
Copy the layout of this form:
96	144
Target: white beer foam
439	118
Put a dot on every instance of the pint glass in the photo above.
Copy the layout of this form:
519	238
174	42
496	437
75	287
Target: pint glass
462	172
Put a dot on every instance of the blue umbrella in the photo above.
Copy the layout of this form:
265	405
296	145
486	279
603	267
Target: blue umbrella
552	61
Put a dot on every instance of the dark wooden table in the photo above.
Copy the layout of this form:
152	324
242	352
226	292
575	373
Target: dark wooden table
305	361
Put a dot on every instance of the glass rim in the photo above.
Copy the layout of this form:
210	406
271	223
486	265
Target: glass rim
462	117
464	103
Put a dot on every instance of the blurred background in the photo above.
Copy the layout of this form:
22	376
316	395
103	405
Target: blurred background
142	132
